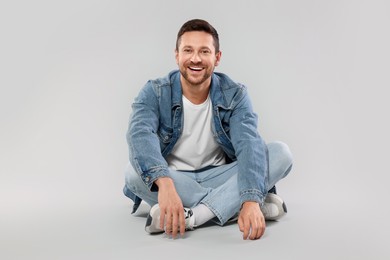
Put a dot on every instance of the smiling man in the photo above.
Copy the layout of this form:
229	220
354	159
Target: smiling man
195	151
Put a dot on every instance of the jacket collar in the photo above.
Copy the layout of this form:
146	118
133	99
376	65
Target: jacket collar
176	90
216	93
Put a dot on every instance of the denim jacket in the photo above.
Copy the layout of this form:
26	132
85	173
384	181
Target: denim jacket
157	122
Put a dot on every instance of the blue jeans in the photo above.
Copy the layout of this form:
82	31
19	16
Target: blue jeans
215	187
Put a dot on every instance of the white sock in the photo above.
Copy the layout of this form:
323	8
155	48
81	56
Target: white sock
202	214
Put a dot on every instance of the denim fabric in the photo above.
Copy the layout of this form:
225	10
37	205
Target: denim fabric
157	121
215	187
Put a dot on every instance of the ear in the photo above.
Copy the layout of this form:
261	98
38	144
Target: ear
177	57
218	58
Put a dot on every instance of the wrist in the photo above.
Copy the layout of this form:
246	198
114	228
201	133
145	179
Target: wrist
249	204
163	182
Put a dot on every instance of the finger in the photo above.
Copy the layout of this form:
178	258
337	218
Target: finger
247	229
175	227
263	226
168	223
260	227
255	229
240	224
182	222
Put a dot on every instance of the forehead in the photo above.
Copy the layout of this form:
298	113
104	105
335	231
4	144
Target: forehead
197	39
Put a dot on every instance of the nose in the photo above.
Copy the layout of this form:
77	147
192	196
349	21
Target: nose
195	58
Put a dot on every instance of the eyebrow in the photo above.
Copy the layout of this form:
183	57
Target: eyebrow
202	47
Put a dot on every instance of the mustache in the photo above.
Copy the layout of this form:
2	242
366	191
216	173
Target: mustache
196	64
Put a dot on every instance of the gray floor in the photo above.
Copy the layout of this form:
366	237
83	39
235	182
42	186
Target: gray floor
82	226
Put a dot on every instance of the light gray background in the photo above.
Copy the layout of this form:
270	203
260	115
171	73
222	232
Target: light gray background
318	75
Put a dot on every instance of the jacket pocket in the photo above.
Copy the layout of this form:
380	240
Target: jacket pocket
164	133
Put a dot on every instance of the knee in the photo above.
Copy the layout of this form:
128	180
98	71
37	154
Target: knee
131	178
285	152
282	153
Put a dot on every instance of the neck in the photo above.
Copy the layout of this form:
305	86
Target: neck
197	94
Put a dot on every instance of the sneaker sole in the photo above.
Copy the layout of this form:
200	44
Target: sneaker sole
276	200
152	225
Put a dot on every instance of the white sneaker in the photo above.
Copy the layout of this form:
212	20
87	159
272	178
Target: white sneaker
273	207
152	225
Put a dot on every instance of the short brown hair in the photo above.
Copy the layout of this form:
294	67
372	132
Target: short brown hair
198	25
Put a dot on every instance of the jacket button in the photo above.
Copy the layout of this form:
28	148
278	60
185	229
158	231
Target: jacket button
147	179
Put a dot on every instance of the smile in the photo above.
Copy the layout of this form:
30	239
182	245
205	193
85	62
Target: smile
195	68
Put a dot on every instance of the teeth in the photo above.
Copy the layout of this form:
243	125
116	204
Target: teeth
197	69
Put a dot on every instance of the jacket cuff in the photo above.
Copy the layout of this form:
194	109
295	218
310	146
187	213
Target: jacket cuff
252	195
153	174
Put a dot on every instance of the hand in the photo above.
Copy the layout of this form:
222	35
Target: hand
171	207
251	220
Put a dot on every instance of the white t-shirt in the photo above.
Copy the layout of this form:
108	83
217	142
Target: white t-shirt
196	147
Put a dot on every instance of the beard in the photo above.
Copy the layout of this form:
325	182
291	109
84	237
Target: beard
199	79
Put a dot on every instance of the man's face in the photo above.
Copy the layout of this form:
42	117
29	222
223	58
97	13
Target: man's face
196	57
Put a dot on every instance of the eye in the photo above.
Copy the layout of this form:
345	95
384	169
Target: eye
186	50
206	51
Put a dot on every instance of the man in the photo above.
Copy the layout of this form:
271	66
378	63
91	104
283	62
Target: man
195	152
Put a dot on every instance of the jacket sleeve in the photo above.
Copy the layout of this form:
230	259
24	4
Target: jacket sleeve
251	151
144	145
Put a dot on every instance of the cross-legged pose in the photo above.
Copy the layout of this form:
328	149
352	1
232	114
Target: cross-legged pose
195	151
